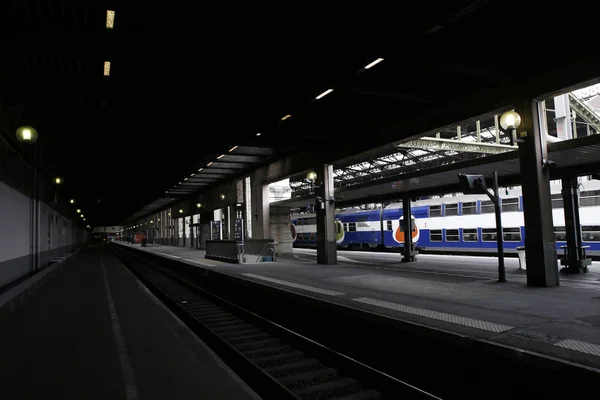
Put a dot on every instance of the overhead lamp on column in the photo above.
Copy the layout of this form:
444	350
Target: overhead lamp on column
509	122
311	177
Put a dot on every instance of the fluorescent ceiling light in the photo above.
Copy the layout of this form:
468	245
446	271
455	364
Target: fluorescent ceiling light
221	156
286	117
192	174
185	179
209	164
233	148
325	93
110	19
106	68
200	169
374	63
258	134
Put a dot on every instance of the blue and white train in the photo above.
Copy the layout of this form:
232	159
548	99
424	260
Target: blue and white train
453	224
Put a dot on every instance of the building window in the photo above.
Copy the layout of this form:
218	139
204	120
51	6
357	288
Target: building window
469	208
435	211
560	234
451	209
435	235
511	204
511	234
452	235
470	235
488	234
590	233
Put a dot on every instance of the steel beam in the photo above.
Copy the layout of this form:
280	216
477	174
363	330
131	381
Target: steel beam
427	143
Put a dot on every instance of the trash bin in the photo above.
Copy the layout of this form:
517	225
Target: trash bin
522	259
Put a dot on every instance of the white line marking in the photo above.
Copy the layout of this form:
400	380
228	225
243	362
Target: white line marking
577	345
295	285
128	377
455	319
162	254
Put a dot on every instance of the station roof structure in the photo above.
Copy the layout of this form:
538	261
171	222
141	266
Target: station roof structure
128	111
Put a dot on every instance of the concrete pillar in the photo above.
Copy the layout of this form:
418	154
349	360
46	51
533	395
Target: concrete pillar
281	231
562	109
575	260
260	211
540	246
325	210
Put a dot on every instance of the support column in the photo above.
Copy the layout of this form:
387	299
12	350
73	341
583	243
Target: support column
281	232
540	246
260	211
325	210
408	251
562	116
575	260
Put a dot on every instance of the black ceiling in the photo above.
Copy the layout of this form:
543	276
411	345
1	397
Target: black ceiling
189	80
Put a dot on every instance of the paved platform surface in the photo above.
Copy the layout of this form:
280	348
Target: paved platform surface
96	333
455	293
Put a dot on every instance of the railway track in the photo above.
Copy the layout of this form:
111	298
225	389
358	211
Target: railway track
275	361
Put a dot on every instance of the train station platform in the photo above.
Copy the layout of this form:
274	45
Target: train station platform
94	332
458	294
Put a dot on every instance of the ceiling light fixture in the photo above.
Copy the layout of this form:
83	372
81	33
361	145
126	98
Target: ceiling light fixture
106	68
209	164
374	63
258	134
185	179
192	174
110	19
233	148
286	117
221	156
200	169
325	93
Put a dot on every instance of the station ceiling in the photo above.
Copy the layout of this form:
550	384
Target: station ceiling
190	81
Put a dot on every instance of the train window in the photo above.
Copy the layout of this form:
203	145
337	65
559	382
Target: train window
487	206
351	226
435	211
452	235
560	235
589	198
488	234
389	225
511	204
313	236
469	208
590	233
557	201
435	235
451	209
511	234
470	235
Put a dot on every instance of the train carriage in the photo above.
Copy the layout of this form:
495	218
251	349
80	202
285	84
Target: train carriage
457	224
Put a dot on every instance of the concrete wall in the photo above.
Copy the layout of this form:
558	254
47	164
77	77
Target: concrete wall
56	235
280	230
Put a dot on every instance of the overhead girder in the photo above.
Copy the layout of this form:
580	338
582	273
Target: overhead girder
427	143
